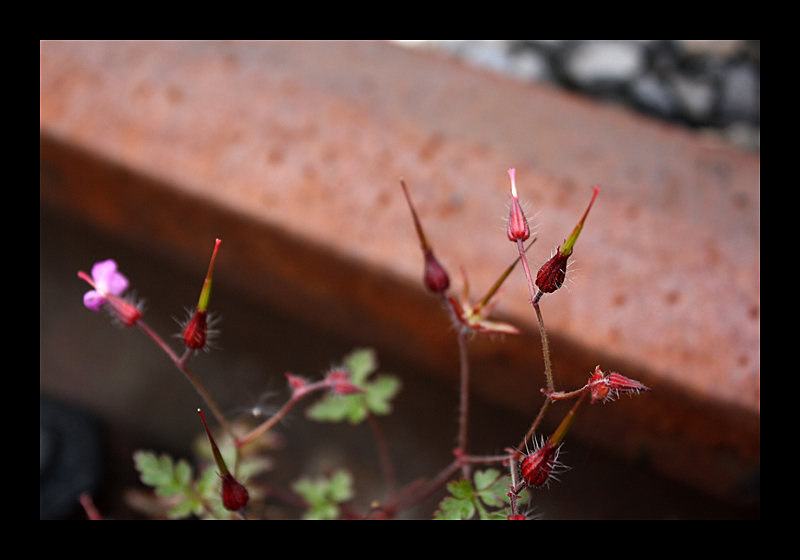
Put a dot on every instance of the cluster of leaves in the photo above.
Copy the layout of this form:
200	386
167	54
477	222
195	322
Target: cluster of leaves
487	497
184	494
324	494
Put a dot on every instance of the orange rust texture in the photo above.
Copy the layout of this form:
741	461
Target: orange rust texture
291	152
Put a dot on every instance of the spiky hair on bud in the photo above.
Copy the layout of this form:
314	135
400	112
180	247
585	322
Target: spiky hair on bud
606	387
541	465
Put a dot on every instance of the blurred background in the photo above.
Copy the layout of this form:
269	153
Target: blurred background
709	85
107	391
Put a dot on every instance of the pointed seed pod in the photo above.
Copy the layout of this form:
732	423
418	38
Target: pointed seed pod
551	276
234	493
435	276
195	333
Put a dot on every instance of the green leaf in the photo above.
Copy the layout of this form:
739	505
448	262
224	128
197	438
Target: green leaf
485	497
458	506
175	479
323	495
380	393
208	483
491	487
185	508
163	474
361	362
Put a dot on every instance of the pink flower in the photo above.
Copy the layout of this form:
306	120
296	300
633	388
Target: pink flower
106	281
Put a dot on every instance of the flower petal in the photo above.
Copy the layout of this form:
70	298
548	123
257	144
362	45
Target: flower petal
93	300
107	279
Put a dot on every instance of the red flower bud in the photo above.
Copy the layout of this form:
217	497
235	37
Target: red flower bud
126	311
435	277
234	493
339	382
606	387
517	227
537	467
552	274
296	382
196	330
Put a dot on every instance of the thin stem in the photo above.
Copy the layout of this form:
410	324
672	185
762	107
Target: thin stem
528	277
562	395
383	454
296	397
268	424
405	499
548	366
463	357
158	340
535	423
463	419
426	491
180	363
535	297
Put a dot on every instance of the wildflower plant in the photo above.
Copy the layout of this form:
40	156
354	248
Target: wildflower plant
230	480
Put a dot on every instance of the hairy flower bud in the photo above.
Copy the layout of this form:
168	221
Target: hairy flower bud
296	383
195	332
537	467
435	276
517	228
552	273
339	382
551	276
234	493
605	387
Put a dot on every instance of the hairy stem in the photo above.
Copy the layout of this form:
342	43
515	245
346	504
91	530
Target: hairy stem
383	454
535	424
528	277
265	426
535	297
548	366
463	419
418	493
180	363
